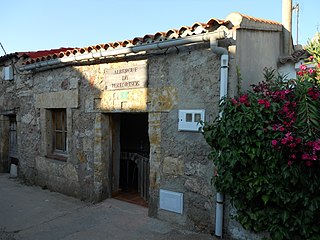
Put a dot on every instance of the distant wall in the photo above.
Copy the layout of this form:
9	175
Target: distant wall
256	50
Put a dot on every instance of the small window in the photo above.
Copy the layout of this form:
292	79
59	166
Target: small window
59	131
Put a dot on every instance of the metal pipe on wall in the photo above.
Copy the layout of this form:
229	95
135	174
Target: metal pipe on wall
224	70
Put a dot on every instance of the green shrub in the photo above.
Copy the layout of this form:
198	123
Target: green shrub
266	149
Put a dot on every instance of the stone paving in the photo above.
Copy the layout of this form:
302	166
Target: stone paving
31	213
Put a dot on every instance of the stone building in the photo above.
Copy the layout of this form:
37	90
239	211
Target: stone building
93	122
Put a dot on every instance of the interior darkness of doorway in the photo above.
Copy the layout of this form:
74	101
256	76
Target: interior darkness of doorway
134	140
134	133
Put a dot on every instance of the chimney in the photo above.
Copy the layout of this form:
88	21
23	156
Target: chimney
287	26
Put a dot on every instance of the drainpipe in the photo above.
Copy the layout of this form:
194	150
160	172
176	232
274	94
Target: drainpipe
223	92
127	50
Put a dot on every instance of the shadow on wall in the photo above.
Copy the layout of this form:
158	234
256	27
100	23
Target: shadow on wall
80	110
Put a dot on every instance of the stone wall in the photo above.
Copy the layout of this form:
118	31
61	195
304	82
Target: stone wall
188	79
62	88
181	78
184	78
9	106
180	162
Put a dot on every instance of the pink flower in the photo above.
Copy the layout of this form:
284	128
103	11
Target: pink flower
289	163
274	142
300	73
243	98
289	136
303	67
233	101
316	145
267	104
313	157
313	93
292	145
310	70
285	109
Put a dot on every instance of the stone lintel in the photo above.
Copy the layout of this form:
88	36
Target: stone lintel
62	99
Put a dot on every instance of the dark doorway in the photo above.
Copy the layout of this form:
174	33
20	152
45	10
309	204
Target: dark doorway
134	158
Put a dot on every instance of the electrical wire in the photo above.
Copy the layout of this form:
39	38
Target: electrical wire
3	49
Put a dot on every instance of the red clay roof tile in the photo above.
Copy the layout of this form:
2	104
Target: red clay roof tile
197	28
42	53
259	19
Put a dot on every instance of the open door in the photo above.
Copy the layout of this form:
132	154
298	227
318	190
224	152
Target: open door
131	149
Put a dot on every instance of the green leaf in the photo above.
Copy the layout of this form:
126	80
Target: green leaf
285	216
265	199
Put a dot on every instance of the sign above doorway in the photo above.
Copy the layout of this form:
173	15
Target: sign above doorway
127	75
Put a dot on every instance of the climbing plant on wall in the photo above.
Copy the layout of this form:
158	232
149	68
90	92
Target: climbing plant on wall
266	148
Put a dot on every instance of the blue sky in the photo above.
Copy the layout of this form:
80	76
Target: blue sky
30	25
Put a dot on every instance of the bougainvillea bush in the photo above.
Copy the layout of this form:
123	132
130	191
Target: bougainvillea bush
266	149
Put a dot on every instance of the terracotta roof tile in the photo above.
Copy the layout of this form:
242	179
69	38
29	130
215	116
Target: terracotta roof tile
172	34
185	31
137	41
198	28
148	38
259	19
233	20
82	50
127	43
89	49
296	56
39	54
117	44
214	24
160	36
240	20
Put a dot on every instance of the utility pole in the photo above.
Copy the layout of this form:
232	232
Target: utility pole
297	9
287	26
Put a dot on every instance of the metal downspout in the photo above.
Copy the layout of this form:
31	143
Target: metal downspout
224	59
